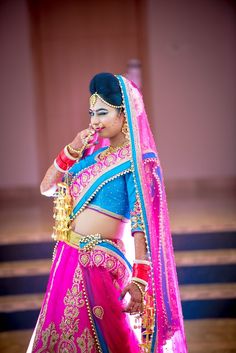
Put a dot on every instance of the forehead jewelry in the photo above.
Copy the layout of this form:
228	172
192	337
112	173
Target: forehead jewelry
93	98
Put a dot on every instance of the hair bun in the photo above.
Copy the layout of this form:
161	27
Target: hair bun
107	86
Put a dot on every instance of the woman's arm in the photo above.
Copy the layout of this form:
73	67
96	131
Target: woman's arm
135	304
140	246
48	185
52	177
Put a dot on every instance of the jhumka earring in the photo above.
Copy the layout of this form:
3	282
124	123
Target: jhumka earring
125	129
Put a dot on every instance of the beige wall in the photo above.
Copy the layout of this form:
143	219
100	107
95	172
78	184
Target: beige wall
189	79
19	165
72	41
192	56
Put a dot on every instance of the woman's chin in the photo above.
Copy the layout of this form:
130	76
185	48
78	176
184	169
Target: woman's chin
102	133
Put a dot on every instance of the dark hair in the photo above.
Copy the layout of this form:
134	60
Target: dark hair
107	86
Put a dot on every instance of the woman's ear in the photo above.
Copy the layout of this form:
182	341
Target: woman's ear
122	116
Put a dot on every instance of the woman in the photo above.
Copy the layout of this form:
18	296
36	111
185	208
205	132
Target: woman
93	290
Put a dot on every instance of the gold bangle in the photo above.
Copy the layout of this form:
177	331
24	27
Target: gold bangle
72	150
139	287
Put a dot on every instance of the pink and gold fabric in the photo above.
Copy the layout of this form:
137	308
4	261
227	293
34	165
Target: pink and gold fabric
82	311
163	316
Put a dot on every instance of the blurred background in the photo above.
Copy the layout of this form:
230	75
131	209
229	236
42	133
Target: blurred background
182	54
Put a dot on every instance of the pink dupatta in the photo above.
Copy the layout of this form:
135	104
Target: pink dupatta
163	316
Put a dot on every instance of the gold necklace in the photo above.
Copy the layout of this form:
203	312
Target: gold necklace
112	149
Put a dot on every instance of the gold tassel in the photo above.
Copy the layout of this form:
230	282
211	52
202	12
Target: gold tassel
62	210
147	324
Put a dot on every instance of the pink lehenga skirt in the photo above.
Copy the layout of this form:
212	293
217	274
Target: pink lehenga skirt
82	309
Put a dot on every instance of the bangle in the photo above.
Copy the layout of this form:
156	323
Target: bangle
145	262
72	150
58	167
141	271
139	287
68	162
139	280
68	155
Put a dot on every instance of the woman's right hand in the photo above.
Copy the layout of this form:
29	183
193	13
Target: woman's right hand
79	139
53	176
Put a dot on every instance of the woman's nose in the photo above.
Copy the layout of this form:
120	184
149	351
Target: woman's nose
95	119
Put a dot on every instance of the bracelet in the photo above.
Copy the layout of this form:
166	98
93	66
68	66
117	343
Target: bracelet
68	155
58	168
140	289
63	162
144	262
72	150
68	161
141	271
139	280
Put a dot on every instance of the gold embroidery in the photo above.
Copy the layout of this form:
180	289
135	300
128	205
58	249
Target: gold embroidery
84	258
85	341
98	259
42	315
73	301
116	284
110	264
98	311
49	333
69	325
136	218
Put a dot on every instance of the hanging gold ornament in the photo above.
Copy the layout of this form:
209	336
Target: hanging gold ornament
62	211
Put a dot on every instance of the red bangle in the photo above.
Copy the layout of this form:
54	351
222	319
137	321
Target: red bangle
63	161
60	163
141	271
69	162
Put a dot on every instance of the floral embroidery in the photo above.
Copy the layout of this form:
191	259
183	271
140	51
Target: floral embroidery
136	218
73	302
98	311
83	178
85	341
43	311
109	262
49	333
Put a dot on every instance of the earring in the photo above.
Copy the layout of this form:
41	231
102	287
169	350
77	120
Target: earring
125	129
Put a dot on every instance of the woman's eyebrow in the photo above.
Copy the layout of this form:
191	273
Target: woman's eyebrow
98	110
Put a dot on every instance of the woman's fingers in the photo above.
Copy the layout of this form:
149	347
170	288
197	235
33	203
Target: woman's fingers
129	307
124	291
135	304
136	308
133	308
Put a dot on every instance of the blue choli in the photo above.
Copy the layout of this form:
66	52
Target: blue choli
117	198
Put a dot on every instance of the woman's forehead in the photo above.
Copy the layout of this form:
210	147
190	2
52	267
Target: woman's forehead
99	104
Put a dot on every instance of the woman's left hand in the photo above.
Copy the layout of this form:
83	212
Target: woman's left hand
135	304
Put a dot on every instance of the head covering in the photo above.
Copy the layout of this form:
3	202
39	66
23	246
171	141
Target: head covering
164	312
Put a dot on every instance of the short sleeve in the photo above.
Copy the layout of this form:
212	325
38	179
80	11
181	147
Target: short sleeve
134	206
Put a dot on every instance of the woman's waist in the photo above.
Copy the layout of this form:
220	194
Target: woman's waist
91	221
93	251
88	242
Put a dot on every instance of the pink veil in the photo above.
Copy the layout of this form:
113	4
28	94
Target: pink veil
168	334
164	309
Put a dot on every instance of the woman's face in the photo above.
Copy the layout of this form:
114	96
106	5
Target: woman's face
109	119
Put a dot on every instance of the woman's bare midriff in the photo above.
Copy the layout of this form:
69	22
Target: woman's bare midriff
90	222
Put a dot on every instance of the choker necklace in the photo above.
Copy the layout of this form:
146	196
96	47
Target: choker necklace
112	149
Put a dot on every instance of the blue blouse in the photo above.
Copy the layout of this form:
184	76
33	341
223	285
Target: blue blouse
117	198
